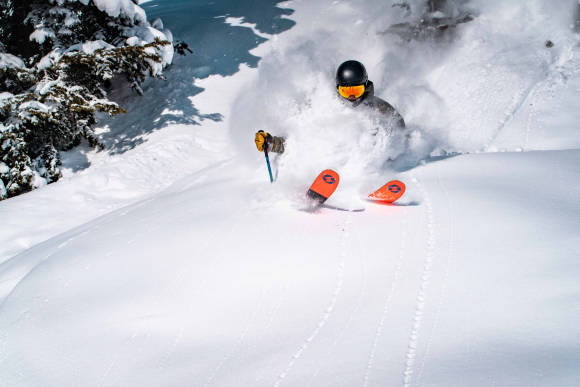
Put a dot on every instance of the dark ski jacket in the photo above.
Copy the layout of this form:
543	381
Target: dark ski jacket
367	99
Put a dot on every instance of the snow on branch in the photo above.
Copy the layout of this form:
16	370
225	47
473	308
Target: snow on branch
56	59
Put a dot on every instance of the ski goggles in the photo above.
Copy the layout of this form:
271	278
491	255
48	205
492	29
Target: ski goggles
351	92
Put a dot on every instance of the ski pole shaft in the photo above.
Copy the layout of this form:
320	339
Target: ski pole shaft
268	160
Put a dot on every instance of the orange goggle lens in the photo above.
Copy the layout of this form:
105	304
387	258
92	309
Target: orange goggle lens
351	92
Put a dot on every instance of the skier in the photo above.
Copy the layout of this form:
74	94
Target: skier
354	88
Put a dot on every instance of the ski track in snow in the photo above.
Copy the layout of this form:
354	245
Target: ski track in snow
330	308
518	101
239	343
521	99
268	329
388	300
555	70
443	291
531	118
114	360
425	277
165	358
177	283
359	302
250	323
34	266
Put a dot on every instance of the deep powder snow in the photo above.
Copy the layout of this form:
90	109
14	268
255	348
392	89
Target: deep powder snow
171	259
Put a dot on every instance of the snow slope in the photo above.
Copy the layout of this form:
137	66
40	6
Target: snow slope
210	275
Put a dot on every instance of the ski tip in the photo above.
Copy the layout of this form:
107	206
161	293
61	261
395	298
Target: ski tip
324	185
389	192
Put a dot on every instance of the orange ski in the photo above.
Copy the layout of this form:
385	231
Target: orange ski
389	192
324	186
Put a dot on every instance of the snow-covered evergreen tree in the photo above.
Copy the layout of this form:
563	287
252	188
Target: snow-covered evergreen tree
56	58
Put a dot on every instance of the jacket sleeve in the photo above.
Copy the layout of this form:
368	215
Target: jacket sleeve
387	109
276	144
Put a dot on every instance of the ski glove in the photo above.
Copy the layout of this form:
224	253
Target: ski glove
261	138
275	144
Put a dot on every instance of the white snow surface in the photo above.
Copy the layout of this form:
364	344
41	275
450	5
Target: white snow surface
177	263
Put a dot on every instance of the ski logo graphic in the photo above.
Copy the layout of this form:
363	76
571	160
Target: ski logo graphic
394	188
389	192
329	179
324	186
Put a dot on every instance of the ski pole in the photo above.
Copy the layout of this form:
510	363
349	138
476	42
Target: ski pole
268	160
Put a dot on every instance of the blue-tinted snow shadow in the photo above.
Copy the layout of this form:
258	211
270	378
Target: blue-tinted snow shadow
517	360
410	161
218	48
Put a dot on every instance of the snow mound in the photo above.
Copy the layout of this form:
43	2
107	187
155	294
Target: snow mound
125	8
9	61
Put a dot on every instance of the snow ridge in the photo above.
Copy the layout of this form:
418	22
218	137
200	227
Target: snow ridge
425	277
388	300
268	329
361	258
239	343
443	291
330	308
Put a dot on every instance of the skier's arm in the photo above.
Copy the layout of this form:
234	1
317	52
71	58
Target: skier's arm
388	110
275	144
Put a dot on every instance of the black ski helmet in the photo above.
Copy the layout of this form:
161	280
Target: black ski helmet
351	73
